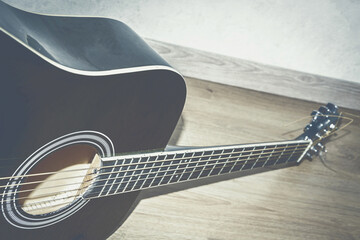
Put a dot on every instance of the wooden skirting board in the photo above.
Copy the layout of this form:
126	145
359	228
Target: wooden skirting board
250	75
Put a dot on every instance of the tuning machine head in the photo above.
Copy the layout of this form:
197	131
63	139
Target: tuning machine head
323	123
320	147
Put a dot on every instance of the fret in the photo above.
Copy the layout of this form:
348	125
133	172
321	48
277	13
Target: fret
218	166
105	181
273	157
199	165
129	185
127	171
227	157
114	178
205	172
240	161
267	155
136	175
124	175
283	155
153	175
118	180
230	163
156	173
175	177
250	160
211	163
257	163
237	161
130	172
136	172
270	152
136	181
190	167
143	173
281	158
149	179
214	161
187	170
146	173
166	179
157	179
179	173
291	159
119	176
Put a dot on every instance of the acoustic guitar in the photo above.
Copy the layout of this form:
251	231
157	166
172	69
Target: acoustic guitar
87	109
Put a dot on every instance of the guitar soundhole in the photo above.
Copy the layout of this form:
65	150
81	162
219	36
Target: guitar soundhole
59	179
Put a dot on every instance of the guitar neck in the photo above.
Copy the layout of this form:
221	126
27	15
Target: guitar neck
141	171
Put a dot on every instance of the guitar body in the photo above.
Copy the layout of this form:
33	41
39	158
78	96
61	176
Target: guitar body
100	85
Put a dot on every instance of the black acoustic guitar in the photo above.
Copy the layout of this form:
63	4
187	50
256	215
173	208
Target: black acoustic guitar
87	109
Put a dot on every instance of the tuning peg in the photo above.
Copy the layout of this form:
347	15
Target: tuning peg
314	150
307	127
321	147
332	107
323	131
324	111
315	113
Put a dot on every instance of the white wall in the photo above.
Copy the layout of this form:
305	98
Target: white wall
315	36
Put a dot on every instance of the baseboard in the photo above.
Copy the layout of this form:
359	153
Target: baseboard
246	74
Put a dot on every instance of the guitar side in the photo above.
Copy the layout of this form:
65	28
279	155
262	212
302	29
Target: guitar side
39	102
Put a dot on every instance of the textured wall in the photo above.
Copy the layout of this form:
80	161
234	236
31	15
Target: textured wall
320	37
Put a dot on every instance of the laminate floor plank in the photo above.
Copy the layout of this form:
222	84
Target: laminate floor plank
310	201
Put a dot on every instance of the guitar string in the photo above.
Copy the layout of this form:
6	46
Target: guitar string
168	170
142	174
67	202
99	168
145	168
223	164
195	162
158	184
131	164
300	147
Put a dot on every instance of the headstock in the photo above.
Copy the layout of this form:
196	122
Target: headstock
324	122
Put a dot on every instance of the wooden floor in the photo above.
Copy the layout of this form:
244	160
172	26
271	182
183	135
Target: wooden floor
315	200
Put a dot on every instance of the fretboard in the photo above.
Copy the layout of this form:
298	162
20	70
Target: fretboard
128	173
